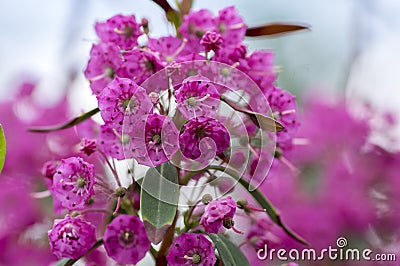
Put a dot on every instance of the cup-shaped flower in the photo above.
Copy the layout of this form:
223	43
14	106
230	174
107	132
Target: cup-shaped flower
199	128
120	30
154	140
217	214
123	101
191	249
125	239
73	183
197	96
71	237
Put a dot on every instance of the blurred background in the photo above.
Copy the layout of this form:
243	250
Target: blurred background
350	53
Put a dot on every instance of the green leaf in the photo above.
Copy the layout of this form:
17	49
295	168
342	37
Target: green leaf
174	17
274	29
77	120
185	6
61	262
261	199
70	262
2	148
229	253
262	121
159	195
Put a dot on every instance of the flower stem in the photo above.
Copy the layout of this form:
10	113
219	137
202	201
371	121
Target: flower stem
71	262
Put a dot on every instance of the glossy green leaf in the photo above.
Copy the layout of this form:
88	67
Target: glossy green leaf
185	6
274	29
230	254
174	17
70	262
2	148
262	121
62	262
77	120
261	199
159	195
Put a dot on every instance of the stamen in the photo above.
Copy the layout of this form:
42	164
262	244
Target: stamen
236	26
118	205
289	165
67	183
204	98
291	111
301	141
255	209
180	48
101	76
41	194
253	151
237	231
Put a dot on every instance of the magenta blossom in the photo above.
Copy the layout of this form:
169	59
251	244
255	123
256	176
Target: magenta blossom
191	249
113	144
218	213
197	96
125	239
194	25
73	183
123	101
140	64
168	48
104	63
199	128
120	30
88	146
212	41
231	26
154	140
260	67
71	237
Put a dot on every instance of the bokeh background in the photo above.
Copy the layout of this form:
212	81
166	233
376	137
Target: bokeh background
351	53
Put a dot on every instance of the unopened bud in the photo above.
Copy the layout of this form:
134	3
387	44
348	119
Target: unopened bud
120	192
207	198
242	203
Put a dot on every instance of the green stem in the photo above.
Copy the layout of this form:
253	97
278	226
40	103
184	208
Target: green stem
71	262
71	123
153	252
261	199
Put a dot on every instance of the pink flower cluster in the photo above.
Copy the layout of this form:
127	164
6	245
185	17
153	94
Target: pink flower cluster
203	107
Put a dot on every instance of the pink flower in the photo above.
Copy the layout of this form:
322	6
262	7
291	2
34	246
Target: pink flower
231	26
125	239
140	64
199	128
113	144
217	213
284	110
104	63
168	48
231	55
49	168
120	30
88	146
154	140
191	249
212	41
71	237
123	101
73	183
197	96
260	67
194	25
